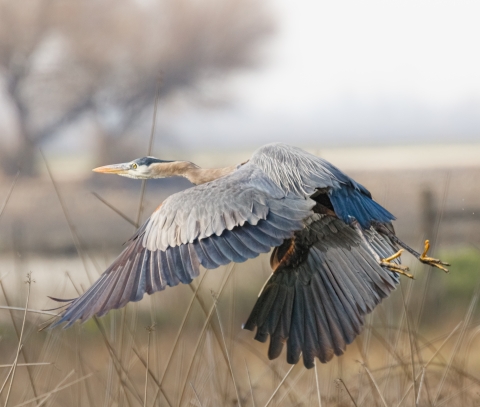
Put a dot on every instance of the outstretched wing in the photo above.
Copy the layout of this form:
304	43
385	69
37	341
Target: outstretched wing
325	282
234	218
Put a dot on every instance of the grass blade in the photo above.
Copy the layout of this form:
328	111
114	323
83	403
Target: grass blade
226	351
420	386
55	390
29	364
456	347
430	360
118	212
182	325
341	382
279	385
196	394
202	332
410	337
20	344
150	330
318	387
35	311
9	193
374	383
56	387
249	382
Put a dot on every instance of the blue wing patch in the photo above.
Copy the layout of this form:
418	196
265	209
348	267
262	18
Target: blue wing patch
350	203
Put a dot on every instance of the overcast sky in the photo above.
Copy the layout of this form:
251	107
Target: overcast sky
341	73
349	72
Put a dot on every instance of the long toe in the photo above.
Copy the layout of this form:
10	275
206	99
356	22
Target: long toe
397	268
435	263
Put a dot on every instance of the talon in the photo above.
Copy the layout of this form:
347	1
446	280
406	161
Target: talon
435	263
397	269
432	261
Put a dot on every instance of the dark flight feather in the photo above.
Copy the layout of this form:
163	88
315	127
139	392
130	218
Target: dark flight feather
334	287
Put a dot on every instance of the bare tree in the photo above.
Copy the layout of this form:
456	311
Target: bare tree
99	60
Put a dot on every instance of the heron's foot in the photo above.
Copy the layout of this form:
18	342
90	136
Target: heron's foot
394	256
397	268
431	261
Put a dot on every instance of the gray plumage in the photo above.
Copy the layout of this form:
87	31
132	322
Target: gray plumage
246	195
329	239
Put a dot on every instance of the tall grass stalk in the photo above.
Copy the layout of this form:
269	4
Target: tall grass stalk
20	343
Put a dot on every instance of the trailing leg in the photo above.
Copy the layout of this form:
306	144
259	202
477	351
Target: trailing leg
420	256
432	261
397	268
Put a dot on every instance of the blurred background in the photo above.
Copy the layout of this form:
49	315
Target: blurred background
387	91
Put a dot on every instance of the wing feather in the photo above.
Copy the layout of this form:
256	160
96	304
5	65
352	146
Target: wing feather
241	247
228	250
118	286
217	256
250	242
262	238
332	281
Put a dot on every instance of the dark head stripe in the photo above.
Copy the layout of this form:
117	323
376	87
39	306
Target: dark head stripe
149	160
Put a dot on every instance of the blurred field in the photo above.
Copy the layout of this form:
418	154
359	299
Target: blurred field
419	347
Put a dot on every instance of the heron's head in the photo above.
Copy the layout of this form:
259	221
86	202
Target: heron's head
141	168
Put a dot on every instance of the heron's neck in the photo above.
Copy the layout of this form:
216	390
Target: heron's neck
197	175
193	172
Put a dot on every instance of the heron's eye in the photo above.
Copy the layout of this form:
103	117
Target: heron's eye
134	166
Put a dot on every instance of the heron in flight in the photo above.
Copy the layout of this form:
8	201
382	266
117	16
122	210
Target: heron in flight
335	253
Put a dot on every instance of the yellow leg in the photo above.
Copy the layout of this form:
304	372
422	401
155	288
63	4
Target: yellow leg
430	260
397	268
394	256
426	249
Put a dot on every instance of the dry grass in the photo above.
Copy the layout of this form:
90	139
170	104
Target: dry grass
205	359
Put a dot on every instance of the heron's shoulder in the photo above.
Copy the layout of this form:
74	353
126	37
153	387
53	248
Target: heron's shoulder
274	149
293	169
296	170
278	153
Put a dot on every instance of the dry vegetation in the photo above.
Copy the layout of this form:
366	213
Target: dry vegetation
185	346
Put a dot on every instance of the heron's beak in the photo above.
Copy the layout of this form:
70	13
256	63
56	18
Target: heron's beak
113	169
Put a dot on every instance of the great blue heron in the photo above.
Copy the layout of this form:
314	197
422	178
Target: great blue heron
335	253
